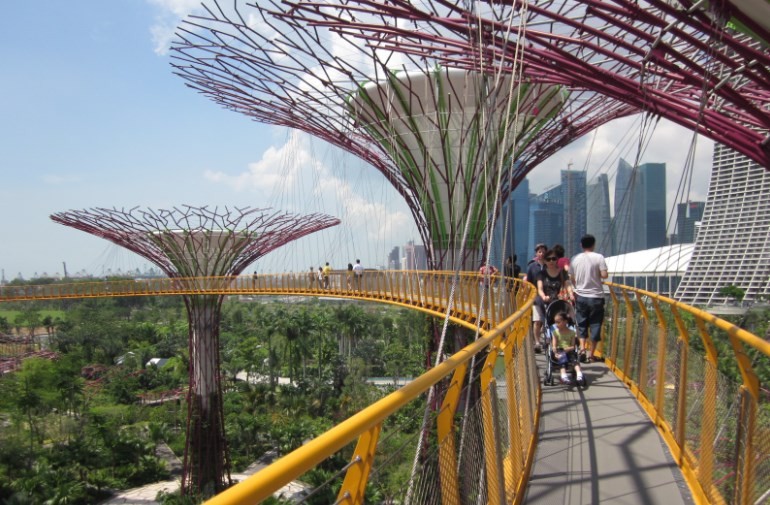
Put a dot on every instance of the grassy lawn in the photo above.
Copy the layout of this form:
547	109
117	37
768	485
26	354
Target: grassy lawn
10	315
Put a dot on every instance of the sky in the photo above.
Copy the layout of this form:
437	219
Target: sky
91	115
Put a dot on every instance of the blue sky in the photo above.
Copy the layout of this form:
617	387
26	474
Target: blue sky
92	115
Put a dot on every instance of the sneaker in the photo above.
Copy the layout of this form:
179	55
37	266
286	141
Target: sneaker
538	348
566	380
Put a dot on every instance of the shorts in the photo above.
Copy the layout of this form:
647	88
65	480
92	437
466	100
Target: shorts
590	316
538	314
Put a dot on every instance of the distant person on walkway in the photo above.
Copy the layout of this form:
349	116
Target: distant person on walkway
358	270
486	271
327	272
320	277
512	270
311	278
533	273
349	276
588	269
561	262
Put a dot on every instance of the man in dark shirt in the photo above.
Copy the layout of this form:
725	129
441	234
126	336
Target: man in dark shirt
533	272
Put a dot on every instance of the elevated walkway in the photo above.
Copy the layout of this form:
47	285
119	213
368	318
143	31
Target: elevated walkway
495	434
597	446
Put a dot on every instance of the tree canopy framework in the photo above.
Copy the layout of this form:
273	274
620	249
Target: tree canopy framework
269	63
194	242
703	65
298	63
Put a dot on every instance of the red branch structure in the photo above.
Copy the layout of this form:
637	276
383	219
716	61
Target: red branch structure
705	66
190	242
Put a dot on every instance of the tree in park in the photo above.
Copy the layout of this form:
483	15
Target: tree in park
190	244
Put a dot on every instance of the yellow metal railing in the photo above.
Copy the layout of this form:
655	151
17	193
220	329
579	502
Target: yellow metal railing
695	375
482	399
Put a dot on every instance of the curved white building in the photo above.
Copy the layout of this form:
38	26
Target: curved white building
733	243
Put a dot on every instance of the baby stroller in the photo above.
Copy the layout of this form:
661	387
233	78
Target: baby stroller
552	362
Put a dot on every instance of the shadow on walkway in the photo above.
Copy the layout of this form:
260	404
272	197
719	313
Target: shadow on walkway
597	446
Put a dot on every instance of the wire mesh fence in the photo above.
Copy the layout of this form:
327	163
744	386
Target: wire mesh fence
697	377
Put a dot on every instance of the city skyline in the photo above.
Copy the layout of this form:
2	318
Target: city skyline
99	120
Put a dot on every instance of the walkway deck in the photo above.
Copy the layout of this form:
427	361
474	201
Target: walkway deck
597	446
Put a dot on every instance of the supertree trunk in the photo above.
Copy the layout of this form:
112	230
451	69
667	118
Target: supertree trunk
206	462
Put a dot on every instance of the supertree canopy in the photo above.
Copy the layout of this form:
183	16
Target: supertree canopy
447	135
445	138
199	242
703	65
298	63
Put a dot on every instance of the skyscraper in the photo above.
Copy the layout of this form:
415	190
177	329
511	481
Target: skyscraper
546	220
573	191
598	216
628	226
654	178
640	207
687	214
732	245
394	260
511	232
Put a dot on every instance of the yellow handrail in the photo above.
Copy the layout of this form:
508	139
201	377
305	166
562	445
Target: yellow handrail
716	436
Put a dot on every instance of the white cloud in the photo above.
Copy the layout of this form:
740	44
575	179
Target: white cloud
263	175
169	14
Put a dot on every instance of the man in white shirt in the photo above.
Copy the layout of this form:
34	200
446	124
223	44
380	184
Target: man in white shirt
588	269
358	274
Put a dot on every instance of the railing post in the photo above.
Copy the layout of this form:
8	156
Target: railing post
629	336
447	454
660	362
515	451
615	324
744	447
490	423
708	419
644	354
353	487
683	343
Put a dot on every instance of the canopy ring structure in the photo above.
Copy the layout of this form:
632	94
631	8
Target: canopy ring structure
194	242
357	74
442	136
702	65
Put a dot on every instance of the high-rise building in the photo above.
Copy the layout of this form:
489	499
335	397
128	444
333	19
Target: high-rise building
394	260
654	179
687	215
573	197
414	257
511	231
598	215
731	246
630	210
520	197
546	220
640	207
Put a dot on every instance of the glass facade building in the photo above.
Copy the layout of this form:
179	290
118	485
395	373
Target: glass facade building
598	214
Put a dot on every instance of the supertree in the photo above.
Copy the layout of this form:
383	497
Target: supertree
703	65
192	242
453	141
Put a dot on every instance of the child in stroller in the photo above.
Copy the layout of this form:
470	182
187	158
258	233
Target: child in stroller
563	344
